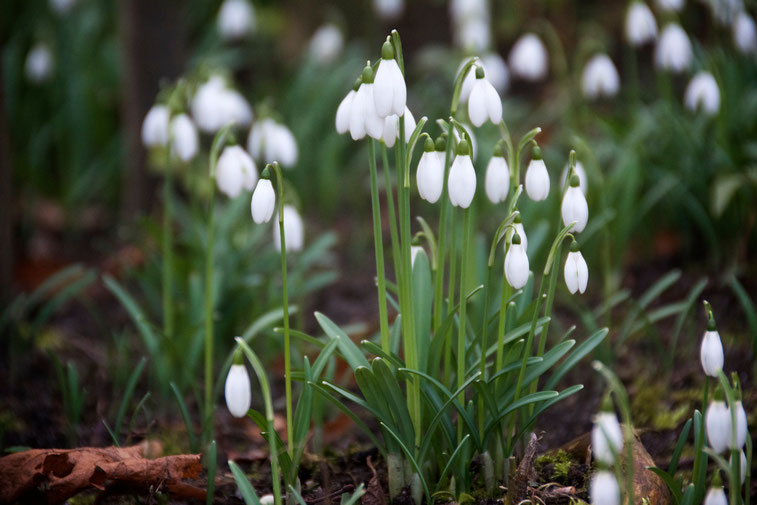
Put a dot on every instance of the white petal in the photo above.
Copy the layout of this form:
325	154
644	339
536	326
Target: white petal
357	114
155	126
383	95
294	231
263	202
185	140
399	92
237	391
575	208
741	426
537	180
477	103
606	437
343	113
497	182
711	353
493	103
516	266
715	496
374	124
462	182
604	489
718	426
391	130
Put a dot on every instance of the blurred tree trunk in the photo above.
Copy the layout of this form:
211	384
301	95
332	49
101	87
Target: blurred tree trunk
6	222
152	42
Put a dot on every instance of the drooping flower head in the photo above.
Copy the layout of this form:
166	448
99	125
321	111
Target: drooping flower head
462	177
641	26
673	51
600	77
39	63
497	182
574	207
528	58
576	270
263	199
326	44
718	425
745	33
237	388
537	177
236	19
430	174
516	264
216	105
155	126
703	92
271	141
390	92
344	110
484	102
363	116
184	138
716	495
235	171
606	436
711	351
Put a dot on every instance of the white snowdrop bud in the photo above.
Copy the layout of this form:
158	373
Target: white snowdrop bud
670	5
462	178
363	116
39	63
414	250
270	141
742	465
236	19
537	177
263	201
518	225
326	44
606	437
576	271
294	231
703	91
673	51
715	496
484	102
184	138
390	92
497	182
744	33
600	77
430	174
516	264
580	172
641	26
528	58
237	390
235	171
718	424
574	206
155	126
711	352
388	9
392	128
741	427
215	105
604	489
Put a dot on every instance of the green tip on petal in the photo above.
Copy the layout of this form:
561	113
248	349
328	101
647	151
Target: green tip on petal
462	148
499	150
266	174
536	152
367	75
238	359
516	239
387	50
441	143
429	146
479	72
518	219
574	247
575	181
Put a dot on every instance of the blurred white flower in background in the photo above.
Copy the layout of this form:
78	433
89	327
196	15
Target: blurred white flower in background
528	58
471	24
39	63
496	73
673	51
184	138
294	231
717	421
216	105
670	5
641	26
236	19
270	141
580	172
389	9
235	171
600	77
703	92
604	489
155	126
237	390
725	11
62	6
745	33
606	435
326	44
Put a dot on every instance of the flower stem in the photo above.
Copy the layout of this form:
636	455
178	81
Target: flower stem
463	321
167	244
209	407
378	243
442	249
389	188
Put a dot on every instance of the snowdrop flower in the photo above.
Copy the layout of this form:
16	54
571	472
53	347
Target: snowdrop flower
484	102
528	58
718	425
271	141
462	178
744	33
604	489
537	177
266	499
576	271
235	171
62	6
641	26
473	34
215	105
497	182
237	389
363	116
326	44
518	225
574	206
414	250
39	63
495	70
236	19
742	465
388	9
716	495
580	172
155	126
670	5
470	136
184	138
294	231
600	77
461	10
344	110
703	91
673	51
392	128
711	352
390	92
606	437
430	174
741	427
516	264
263	201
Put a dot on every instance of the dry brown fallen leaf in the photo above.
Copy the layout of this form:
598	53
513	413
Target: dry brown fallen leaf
61	474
